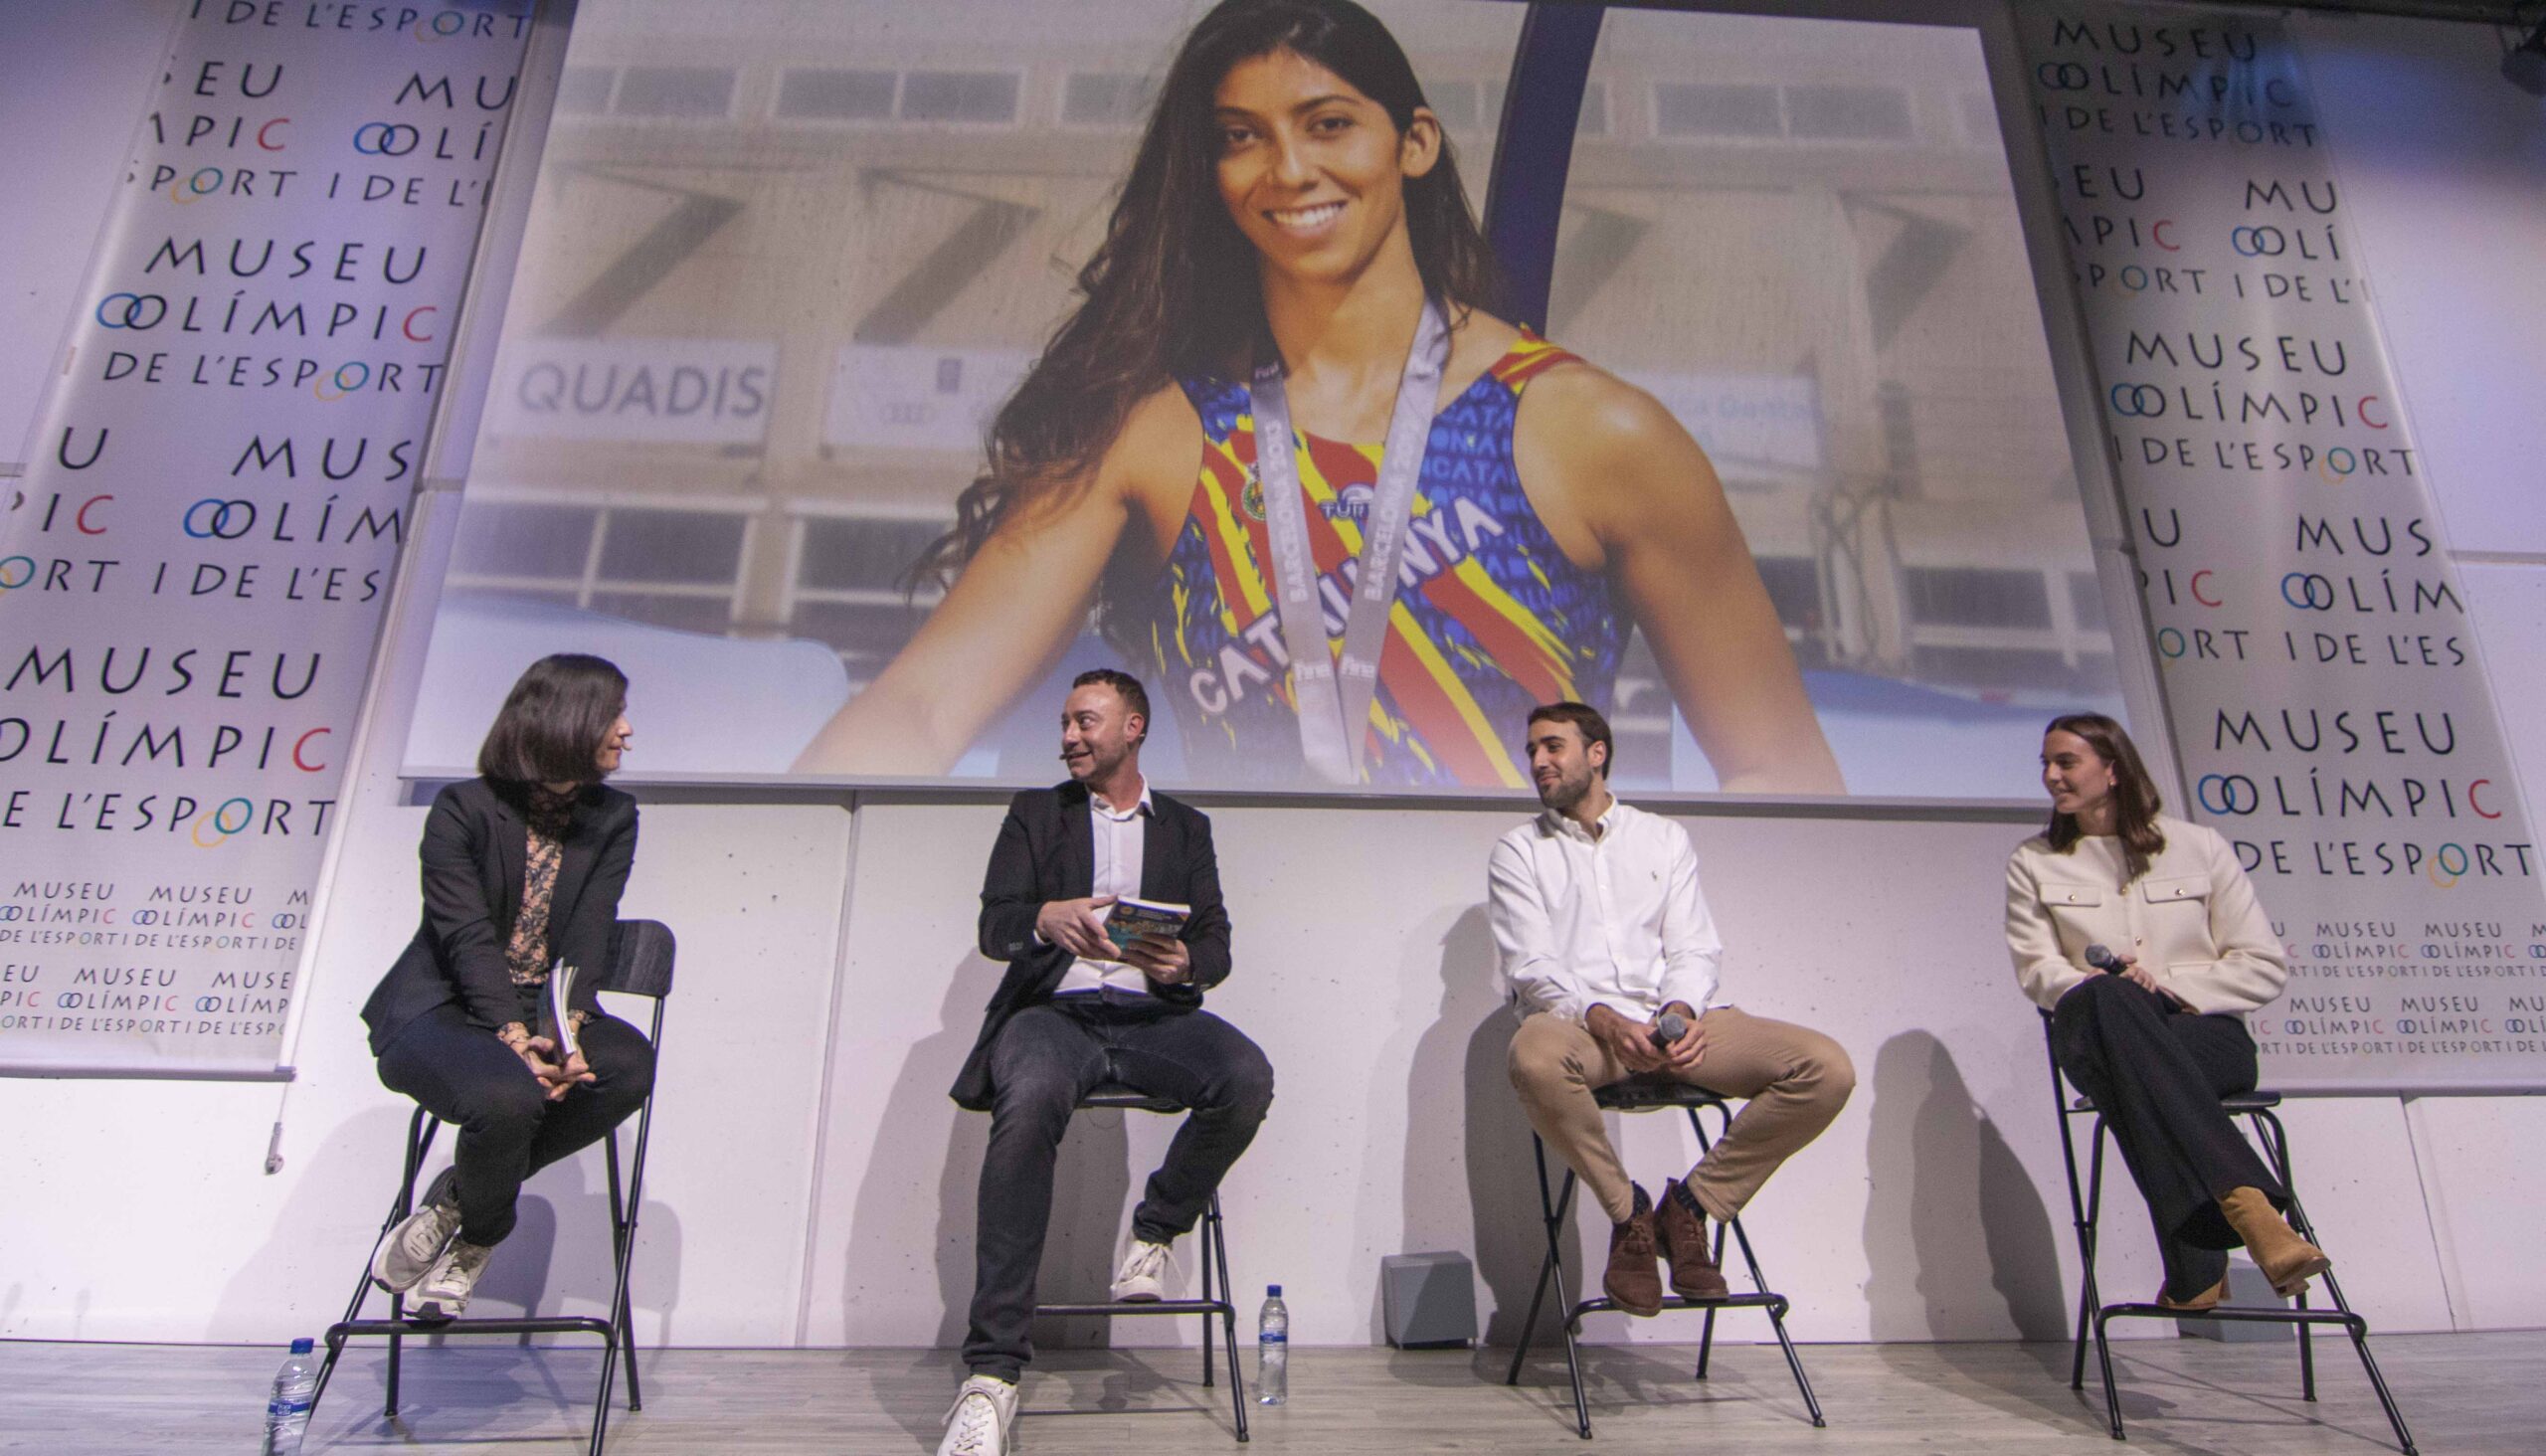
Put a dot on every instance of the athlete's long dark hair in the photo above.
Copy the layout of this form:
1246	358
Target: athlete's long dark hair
1173	288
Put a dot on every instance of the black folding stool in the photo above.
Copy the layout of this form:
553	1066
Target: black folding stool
1214	1253
1638	1094
2086	1201
640	964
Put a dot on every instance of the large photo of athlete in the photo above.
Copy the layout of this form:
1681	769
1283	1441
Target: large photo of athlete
1294	209
870	373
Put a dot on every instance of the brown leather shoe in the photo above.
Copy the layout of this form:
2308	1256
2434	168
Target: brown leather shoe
2208	1298
1633	1279
1694	1271
2288	1260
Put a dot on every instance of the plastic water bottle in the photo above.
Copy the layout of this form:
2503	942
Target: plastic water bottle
287	1409
1273	1349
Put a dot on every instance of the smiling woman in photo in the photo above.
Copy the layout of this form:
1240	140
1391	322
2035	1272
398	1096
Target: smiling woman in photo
1293	242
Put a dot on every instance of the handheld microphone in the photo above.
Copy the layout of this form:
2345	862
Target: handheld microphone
2103	959
1668	1029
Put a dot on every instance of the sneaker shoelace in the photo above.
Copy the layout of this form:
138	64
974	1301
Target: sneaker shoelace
975	1424
1148	1261
425	1236
462	1264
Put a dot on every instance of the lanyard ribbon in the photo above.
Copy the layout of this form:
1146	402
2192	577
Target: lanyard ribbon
1335	695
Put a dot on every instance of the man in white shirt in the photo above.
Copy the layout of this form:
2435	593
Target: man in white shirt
1602	931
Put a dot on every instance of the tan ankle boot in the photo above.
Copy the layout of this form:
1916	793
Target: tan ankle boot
2288	1260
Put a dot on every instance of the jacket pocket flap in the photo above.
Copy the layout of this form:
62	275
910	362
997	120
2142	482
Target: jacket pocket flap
2073	895
2175	887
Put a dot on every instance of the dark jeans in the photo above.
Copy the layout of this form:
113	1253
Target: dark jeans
2157	1072
1045	1059
508	1129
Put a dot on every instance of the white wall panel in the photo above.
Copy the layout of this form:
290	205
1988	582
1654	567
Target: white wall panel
2486	1185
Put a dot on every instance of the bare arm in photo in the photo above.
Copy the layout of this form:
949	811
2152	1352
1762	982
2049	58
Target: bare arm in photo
1625	490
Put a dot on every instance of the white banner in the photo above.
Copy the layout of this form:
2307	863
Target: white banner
192	573
915	397
2326	701
653	391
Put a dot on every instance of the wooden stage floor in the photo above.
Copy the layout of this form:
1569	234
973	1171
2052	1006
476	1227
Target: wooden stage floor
2463	1395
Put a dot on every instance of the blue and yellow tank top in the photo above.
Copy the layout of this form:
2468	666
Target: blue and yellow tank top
1491	618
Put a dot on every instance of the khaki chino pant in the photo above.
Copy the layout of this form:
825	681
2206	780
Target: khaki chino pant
1795	1080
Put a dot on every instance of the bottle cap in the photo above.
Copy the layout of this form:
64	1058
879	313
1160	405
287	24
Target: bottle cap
1273	1291
304	1345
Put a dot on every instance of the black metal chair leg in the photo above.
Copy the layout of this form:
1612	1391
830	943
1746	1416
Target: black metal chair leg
2378	1382
1207	1221
398	1210
1564	1313
397	1310
1546	1267
1228	1320
2112	1390
1776	1319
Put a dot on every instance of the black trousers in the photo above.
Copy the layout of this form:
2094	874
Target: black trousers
2157	1072
508	1129
1046	1058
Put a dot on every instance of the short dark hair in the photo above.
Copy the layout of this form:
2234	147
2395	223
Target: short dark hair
551	726
1587	719
1125	686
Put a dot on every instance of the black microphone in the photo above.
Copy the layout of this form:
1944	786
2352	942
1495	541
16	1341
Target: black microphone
2103	959
1668	1029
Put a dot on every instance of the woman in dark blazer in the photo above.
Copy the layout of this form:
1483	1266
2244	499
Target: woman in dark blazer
523	872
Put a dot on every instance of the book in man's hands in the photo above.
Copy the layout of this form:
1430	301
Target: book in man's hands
1130	919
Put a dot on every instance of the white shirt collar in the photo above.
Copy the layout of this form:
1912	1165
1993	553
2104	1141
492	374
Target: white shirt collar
1565	824
1096	801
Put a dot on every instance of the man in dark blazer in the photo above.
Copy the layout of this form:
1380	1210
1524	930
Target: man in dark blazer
1074	1012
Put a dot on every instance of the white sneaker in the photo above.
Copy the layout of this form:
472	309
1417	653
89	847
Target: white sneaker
444	1292
1143	1277
409	1251
978	1422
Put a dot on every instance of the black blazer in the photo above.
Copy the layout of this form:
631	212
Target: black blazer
1047	851
476	840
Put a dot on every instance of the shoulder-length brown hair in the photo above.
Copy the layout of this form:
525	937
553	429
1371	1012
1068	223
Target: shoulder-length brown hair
2135	795
551	726
1174	288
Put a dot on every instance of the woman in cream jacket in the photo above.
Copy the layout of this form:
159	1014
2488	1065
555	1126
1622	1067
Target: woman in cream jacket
2161	1040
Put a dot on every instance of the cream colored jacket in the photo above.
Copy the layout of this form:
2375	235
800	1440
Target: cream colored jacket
2192	919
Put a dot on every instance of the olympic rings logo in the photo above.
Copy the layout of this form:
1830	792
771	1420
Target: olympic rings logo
440	32
2134	401
2062	76
2334	472
2307	590
2440	865
2259	241
219	526
188	189
2229	794
362	375
23	568
218	819
381	138
139	311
